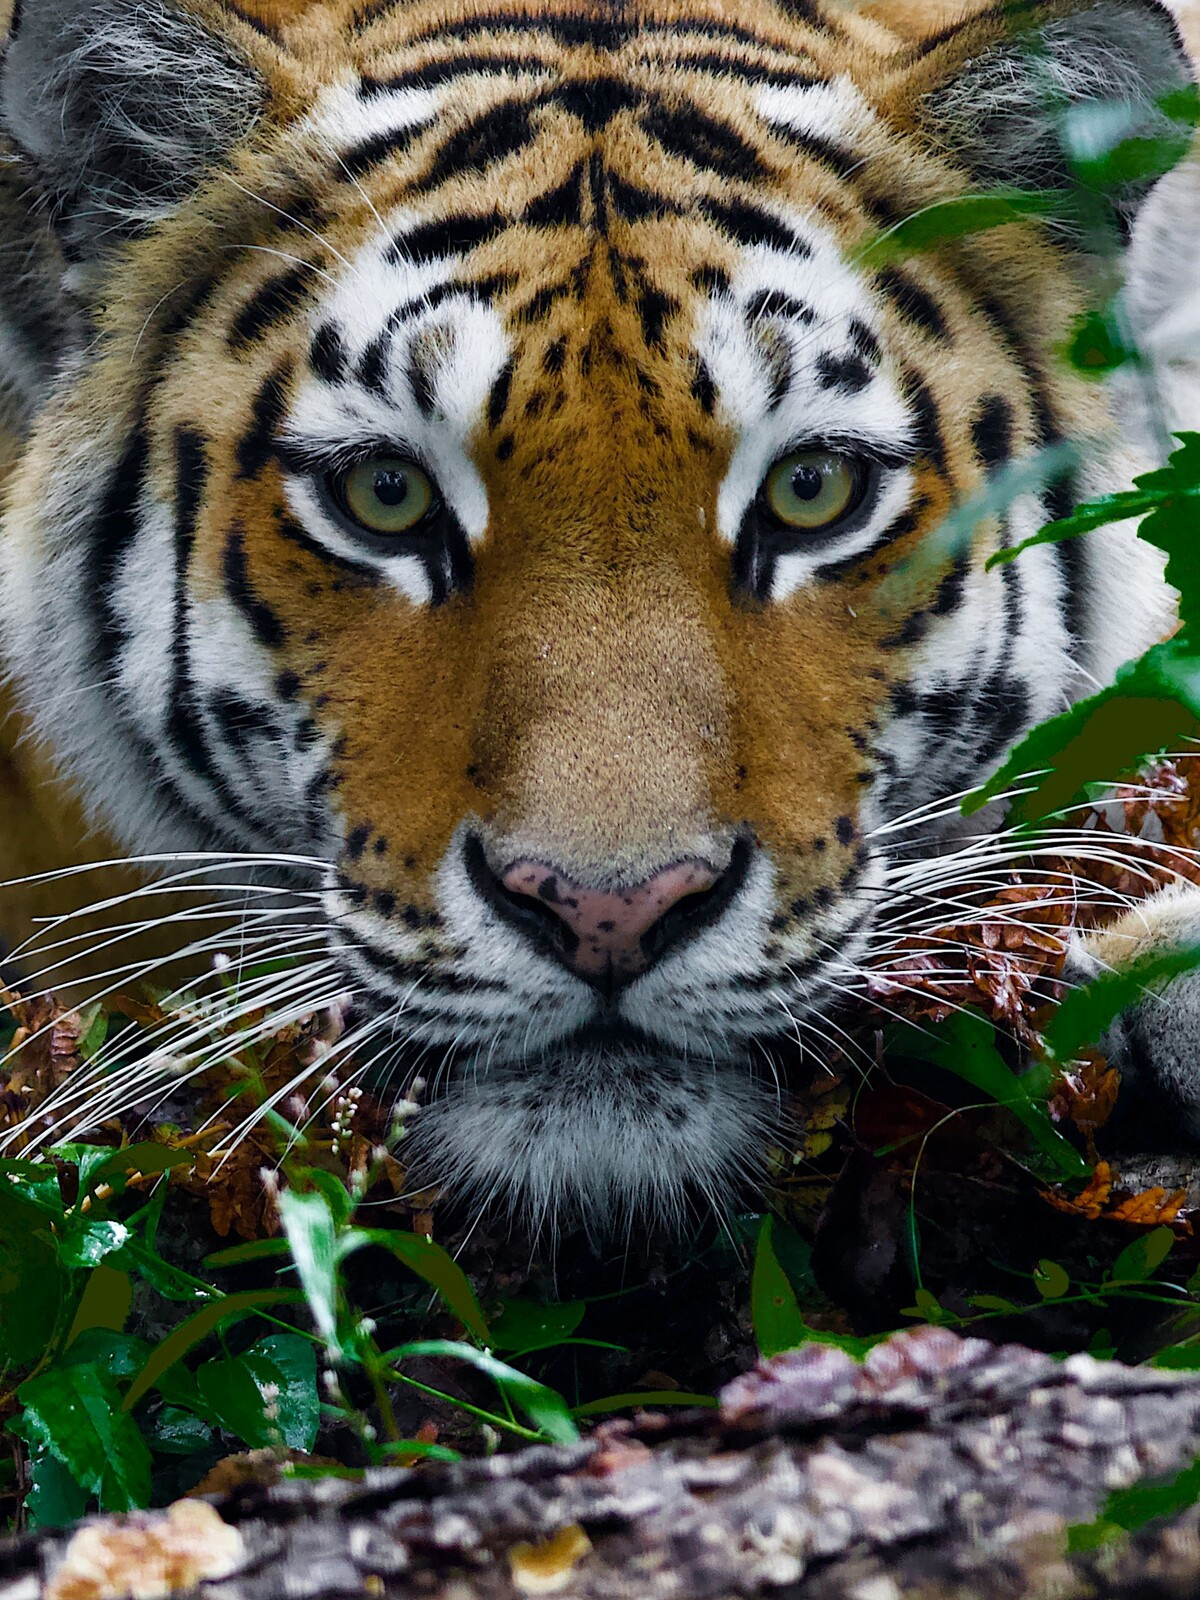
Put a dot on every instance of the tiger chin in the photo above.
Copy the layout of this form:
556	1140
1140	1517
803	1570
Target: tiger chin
469	485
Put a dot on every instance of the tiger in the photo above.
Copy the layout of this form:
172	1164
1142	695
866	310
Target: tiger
475	468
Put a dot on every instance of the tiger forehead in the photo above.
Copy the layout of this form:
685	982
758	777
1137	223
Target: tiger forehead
595	201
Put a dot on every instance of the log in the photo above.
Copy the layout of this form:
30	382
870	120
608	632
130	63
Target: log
941	1467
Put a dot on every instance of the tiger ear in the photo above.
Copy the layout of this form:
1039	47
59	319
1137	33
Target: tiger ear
116	110
1007	94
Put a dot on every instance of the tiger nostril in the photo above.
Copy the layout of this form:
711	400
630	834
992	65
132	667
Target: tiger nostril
608	937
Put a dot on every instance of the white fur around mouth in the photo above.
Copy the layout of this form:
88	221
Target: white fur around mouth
604	1138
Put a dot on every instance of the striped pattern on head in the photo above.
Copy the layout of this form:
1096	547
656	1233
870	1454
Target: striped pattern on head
600	748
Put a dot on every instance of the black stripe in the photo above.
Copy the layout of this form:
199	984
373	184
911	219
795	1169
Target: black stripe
752	72
654	310
183	728
750	225
257	445
268	629
596	101
775	303
269	305
561	207
198	298
634	203
928	423
241	722
498	398
913	303
361	573
257	23
435	73
845	163
704	390
502	131
992	431
598	32
865	342
327	354
114	532
360	158
899	528
450	236
849	374
687	132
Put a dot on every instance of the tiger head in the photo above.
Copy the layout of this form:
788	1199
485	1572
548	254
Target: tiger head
491	455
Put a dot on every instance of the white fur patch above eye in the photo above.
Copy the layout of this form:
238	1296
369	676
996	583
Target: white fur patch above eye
833	110
416	369
343	119
793	351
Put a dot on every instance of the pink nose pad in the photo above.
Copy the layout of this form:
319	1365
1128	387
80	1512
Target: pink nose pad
610	927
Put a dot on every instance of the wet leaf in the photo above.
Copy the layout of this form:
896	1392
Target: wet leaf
527	1324
1051	1280
75	1413
545	1407
429	1261
1142	1259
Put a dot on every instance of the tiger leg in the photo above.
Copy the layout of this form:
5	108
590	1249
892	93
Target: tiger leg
1155	1044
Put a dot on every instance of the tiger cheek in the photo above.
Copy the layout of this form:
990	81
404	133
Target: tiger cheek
807	696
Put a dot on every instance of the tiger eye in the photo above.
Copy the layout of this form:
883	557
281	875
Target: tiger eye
386	495
812	489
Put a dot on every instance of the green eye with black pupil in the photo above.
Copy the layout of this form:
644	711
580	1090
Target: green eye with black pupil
385	495
812	490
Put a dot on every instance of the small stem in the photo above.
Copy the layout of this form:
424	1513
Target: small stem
491	1417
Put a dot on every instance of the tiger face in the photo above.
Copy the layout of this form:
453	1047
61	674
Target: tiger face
496	466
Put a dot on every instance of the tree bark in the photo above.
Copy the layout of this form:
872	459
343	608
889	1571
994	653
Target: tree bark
941	1467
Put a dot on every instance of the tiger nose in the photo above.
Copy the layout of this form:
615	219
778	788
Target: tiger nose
608	937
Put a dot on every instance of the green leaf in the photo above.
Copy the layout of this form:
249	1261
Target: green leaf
145	1262
119	1354
993	1302
1050	1280
1126	1510
287	1364
107	1296
1088	1012
528	1324
774	1311
955	219
255	1250
429	1261
341	1202
177	1343
85	1244
544	1407
963	1045
176	1432
641	1400
954	534
233	1397
419	1449
1153	704
1178	1358
1095	514
54	1500
35	1288
1142	1259
75	1412
311	1228
927	1306
95	1031
1099	344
